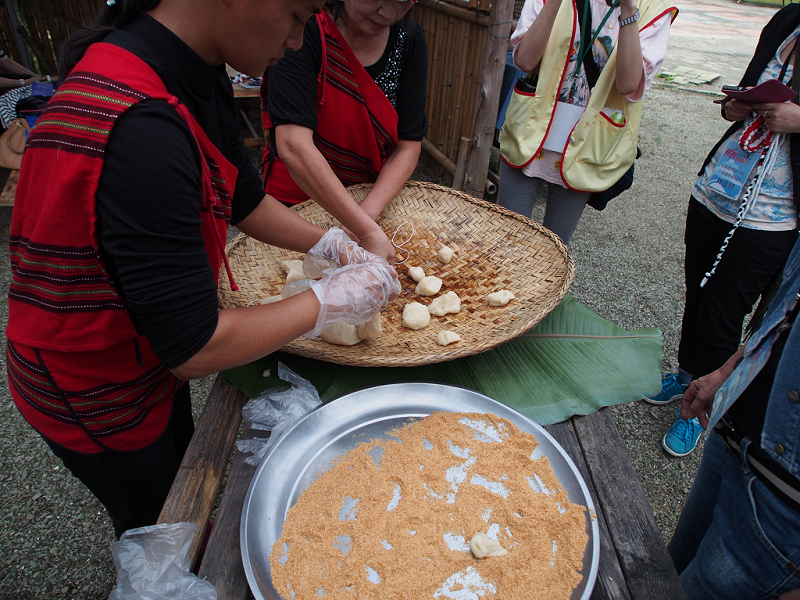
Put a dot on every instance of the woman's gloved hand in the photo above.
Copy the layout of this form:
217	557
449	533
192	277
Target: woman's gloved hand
353	293
334	249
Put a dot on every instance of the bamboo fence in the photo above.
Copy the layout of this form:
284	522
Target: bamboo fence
44	24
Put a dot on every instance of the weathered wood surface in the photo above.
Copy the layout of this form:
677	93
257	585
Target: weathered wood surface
222	562
610	580
9	189
194	491
642	555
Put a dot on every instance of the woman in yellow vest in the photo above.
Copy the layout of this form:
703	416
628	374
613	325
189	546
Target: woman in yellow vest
573	121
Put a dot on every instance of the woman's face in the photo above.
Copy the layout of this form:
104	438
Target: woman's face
261	31
374	17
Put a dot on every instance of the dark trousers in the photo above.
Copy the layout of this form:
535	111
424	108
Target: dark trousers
714	314
134	485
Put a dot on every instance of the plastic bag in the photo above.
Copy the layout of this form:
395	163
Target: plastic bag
153	564
276	411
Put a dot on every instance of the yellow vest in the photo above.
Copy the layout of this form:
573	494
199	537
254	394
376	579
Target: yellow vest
599	151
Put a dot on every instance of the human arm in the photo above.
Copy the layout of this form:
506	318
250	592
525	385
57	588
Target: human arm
698	399
14	68
393	176
530	49
148	221
310	171
629	52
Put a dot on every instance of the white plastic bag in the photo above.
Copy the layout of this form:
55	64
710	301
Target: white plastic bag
153	564
276	411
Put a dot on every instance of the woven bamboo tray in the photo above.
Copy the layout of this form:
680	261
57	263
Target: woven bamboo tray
494	248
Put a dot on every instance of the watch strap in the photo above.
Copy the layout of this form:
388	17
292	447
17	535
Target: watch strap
632	19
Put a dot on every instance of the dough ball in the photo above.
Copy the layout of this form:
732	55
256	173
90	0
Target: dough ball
445	254
443	305
340	333
416	316
447	337
429	286
293	270
483	546
416	273
500	298
270	299
371	330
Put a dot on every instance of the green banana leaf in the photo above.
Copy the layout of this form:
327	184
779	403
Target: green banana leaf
572	363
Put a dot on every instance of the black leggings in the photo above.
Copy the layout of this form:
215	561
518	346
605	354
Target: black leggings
713	315
134	485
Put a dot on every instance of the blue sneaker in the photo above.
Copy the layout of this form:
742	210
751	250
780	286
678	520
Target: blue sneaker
670	390
682	436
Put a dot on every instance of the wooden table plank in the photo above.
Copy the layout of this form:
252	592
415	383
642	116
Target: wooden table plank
222	562
610	581
642	555
194	491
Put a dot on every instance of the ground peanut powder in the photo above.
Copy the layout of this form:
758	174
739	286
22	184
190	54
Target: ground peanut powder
348	536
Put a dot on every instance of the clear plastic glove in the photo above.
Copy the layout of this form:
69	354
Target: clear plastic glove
353	293
153	564
337	246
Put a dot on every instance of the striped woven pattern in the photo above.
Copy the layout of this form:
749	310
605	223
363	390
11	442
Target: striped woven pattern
80	114
103	410
60	278
494	249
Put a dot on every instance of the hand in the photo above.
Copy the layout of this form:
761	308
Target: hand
736	110
780	117
337	245
628	7
354	293
698	399
790	595
378	243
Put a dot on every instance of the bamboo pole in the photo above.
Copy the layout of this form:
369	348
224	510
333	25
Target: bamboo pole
492	67
461	164
447	164
455	11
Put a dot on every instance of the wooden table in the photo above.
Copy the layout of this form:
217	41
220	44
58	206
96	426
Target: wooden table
634	562
244	99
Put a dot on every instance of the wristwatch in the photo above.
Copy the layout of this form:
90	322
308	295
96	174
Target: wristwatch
22	83
632	19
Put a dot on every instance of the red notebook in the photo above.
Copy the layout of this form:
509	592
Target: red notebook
771	90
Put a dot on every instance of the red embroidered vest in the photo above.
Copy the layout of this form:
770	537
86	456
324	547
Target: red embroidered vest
356	124
78	370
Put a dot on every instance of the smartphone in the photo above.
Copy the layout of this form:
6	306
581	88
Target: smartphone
732	88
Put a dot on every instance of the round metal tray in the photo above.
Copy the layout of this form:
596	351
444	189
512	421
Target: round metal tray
332	429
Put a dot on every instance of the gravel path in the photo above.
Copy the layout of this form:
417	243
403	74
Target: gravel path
54	536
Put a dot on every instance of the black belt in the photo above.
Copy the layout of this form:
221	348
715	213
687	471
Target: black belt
782	483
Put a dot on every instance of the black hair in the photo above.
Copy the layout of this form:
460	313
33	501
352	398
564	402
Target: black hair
112	17
336	8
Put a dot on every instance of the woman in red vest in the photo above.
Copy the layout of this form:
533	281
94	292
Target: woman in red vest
116	251
348	108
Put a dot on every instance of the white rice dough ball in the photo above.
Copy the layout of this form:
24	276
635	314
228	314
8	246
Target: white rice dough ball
447	304
500	298
447	337
371	330
293	270
416	316
429	286
483	546
340	333
416	273
445	254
